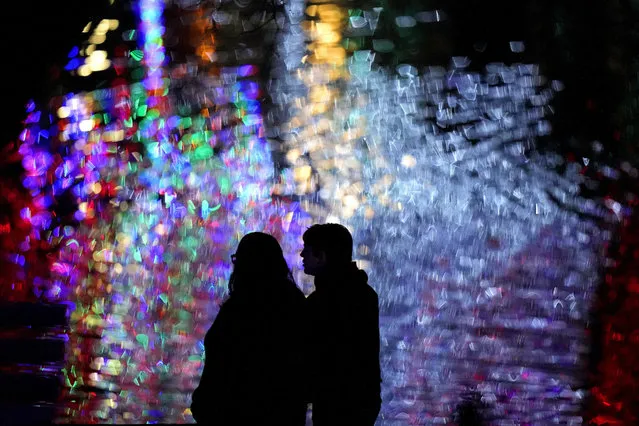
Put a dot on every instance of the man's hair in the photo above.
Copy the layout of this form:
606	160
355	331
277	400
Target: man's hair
331	238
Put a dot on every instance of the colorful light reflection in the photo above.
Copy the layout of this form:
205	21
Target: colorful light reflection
141	194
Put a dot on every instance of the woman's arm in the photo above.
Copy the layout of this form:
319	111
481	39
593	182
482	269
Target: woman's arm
212	384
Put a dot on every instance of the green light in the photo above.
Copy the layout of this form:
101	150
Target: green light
186	122
137	55
129	35
143	339
225	185
203	152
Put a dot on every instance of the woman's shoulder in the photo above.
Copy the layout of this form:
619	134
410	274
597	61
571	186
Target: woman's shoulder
228	310
227	306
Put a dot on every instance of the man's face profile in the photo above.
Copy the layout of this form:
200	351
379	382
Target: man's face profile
314	261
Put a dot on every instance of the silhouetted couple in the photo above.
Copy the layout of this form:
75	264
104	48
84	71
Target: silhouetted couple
271	351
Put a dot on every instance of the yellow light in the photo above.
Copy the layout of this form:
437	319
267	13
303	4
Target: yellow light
90	49
64	112
369	213
123	239
113	135
293	155
352	133
100	66
320	94
114	24
330	38
331	13
97	56
84	71
97	38
103	26
87	27
326	28
113	367
330	55
302	173
93	321
160	229
87	149
409	161
324	125
319	108
96	188
94	137
296	122
98	61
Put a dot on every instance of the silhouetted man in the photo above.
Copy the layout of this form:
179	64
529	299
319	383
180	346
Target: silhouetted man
343	312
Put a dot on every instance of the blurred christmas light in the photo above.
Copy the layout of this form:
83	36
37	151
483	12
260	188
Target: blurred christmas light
484	265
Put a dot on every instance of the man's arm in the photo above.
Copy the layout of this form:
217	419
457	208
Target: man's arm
369	345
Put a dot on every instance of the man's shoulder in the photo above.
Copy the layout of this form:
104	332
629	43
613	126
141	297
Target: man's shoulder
364	289
370	291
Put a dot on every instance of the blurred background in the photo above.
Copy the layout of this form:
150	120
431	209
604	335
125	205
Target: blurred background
483	154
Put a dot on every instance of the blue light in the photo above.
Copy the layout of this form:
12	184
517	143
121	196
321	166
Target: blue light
74	52
73	64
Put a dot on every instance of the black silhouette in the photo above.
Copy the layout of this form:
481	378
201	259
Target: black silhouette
468	412
343	312
253	373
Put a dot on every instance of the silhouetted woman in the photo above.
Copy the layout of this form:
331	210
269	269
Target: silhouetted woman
253	351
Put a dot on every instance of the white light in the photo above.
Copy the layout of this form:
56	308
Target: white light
86	125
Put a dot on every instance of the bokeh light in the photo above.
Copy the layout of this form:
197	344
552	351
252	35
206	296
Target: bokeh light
218	120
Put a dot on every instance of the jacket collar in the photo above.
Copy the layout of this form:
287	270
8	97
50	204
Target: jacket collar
336	276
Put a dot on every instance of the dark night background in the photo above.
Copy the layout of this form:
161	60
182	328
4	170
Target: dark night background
35	36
